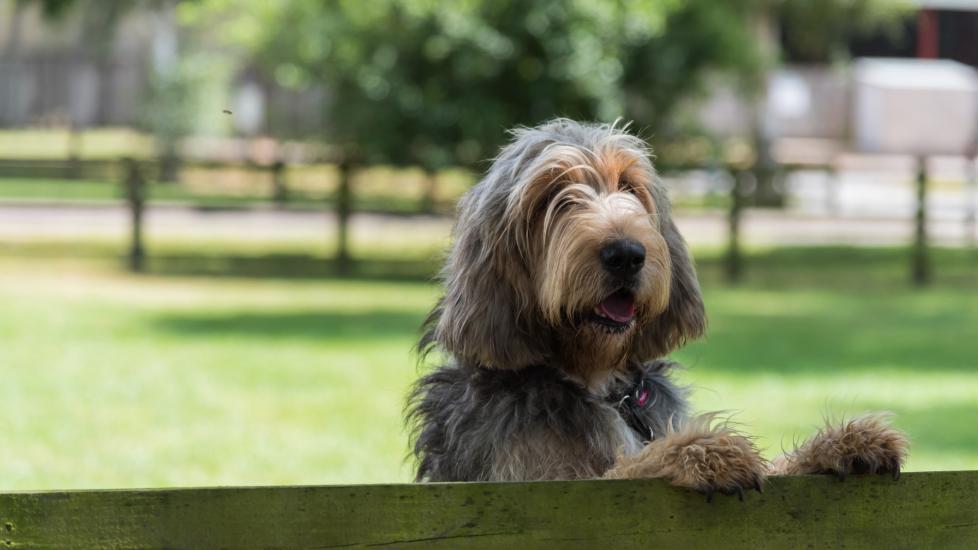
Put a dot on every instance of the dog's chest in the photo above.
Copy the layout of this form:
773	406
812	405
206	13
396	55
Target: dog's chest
626	440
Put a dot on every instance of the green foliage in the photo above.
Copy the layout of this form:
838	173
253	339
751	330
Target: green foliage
53	9
669	67
173	103
817	32
437	82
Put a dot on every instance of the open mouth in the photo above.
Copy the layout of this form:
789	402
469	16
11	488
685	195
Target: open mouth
616	312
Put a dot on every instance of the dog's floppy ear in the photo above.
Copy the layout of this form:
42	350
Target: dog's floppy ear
484	317
684	318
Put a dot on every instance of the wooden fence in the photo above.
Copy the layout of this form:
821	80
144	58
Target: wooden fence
135	176
921	510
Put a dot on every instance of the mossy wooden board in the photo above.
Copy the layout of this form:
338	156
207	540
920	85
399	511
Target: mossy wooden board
921	510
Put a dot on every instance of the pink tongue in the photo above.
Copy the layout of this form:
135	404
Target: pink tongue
619	307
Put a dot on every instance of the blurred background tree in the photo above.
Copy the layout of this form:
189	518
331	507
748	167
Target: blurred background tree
435	84
670	67
819	32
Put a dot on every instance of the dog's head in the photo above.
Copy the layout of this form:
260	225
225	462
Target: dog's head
567	249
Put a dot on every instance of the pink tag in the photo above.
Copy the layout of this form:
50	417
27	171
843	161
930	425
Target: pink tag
643	397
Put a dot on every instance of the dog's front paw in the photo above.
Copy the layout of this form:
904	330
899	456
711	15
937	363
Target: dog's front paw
864	445
698	456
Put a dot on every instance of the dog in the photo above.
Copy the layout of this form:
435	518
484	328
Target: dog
565	288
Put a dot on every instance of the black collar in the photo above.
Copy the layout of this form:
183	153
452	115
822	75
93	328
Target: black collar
633	401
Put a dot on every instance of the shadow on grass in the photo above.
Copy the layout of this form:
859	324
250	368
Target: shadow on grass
825	343
358	327
841	267
830	268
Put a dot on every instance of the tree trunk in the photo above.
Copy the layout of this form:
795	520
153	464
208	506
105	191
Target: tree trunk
767	191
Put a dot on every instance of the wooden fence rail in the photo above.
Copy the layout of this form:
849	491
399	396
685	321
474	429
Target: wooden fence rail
921	510
741	195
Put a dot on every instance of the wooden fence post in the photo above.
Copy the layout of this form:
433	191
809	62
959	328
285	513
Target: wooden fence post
74	166
344	207
170	165
920	271
429	196
970	197
135	187
734	264
280	191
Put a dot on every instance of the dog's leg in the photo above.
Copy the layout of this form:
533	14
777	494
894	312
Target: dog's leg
698	456
864	445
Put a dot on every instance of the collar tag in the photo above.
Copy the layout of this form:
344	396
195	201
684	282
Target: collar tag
642	395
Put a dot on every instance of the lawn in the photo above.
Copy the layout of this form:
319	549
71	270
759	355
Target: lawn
381	193
115	380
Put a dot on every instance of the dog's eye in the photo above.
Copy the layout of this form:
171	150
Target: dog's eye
547	199
637	190
626	186
541	203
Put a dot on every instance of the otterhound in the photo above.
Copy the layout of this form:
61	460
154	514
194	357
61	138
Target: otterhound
567	284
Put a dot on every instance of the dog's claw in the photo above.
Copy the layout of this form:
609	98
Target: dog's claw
738	490
842	473
896	474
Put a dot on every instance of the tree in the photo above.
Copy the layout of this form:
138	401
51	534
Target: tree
819	32
437	82
670	67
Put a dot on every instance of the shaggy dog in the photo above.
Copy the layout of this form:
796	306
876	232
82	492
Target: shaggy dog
567	284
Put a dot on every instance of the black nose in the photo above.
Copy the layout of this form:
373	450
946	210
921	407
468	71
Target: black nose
623	258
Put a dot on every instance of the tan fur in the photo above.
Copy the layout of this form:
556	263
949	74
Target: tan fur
864	445
698	456
576	204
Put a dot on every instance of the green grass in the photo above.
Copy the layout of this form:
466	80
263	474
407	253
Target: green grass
56	190
59	190
386	199
55	143
114	380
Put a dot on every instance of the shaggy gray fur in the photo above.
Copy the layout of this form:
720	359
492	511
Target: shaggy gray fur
503	407
469	418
